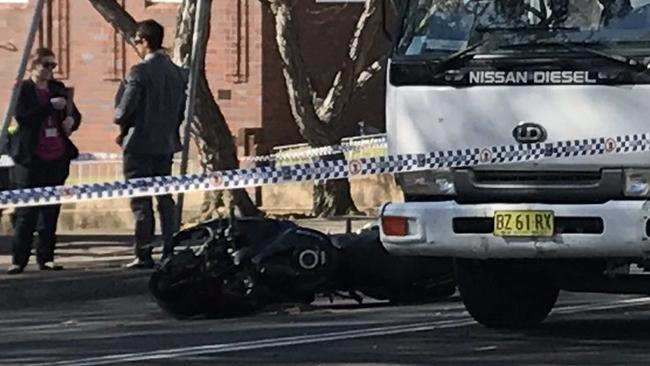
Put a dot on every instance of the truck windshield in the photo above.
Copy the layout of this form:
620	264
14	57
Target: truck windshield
437	28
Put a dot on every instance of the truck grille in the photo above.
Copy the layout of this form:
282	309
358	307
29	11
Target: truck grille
536	178
510	186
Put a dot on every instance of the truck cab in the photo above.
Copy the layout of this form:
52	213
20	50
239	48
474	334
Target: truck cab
494	73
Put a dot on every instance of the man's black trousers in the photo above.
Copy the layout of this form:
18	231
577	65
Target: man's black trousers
140	166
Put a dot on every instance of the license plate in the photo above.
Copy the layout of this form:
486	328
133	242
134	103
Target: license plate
523	223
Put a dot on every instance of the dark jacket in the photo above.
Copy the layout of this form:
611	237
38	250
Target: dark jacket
30	115
150	105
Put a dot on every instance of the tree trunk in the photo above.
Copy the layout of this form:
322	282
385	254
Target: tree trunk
216	145
299	89
330	198
333	198
346	82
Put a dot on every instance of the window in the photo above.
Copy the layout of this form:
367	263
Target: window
53	33
117	60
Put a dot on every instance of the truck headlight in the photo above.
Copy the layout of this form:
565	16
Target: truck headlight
637	182
428	182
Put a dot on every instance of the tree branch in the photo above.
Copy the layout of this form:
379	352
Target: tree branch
345	81
366	75
117	17
182	48
299	87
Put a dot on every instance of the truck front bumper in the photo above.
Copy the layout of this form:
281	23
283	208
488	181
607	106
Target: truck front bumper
431	231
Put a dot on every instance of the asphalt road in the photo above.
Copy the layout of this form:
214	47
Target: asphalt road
584	329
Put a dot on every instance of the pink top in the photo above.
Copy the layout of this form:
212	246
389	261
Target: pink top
51	145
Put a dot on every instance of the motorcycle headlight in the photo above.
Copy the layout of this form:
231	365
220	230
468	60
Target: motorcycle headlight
428	182
637	182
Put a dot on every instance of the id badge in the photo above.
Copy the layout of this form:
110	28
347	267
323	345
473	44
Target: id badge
51	132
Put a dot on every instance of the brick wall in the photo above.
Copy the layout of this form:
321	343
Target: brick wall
96	59
242	62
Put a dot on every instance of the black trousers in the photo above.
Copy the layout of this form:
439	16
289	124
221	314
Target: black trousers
140	166
41	174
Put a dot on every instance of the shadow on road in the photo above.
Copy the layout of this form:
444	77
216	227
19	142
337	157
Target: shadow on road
596	328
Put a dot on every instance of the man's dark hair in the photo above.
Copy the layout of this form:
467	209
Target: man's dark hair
39	55
153	32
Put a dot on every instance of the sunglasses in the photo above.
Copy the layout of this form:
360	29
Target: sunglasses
49	65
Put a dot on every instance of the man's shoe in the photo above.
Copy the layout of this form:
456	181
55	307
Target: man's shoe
50	266
15	269
140	264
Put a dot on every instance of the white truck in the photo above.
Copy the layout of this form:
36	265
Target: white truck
470	74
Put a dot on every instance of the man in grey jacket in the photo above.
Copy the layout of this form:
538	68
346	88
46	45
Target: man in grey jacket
149	110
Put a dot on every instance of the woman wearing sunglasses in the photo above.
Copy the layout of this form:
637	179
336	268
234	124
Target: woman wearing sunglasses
42	150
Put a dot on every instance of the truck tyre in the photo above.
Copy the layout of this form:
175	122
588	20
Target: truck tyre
505	293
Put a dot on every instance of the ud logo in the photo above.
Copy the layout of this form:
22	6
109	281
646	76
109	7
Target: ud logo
354	167
529	133
610	145
486	155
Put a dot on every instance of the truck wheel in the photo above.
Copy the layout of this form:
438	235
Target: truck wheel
505	294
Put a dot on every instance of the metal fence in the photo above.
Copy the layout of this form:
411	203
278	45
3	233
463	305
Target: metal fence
375	149
93	171
285	155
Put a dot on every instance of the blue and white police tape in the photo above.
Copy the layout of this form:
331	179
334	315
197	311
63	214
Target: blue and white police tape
324	170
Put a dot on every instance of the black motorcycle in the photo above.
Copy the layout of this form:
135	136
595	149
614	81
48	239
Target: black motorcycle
232	267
